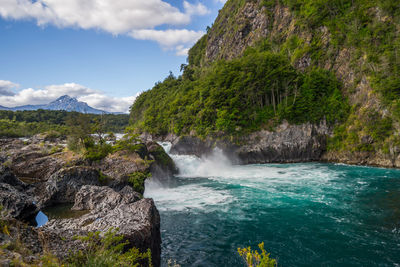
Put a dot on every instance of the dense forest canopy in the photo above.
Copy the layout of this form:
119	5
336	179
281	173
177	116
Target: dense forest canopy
238	96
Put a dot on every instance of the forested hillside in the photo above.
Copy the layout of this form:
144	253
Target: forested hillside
263	62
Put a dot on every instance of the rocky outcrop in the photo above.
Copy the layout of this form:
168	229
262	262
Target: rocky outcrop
100	188
363	158
137	220
162	165
288	143
17	204
103	197
63	185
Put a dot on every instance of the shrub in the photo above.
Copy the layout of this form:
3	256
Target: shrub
108	250
137	179
254	258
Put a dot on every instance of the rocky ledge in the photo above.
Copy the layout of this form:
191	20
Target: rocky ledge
287	144
39	173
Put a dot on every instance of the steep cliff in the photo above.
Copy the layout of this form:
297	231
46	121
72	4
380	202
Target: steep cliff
265	62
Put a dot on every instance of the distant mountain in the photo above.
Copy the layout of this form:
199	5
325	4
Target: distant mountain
4	108
64	102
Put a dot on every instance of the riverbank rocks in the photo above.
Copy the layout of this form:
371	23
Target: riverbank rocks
288	143
17	204
137	220
63	185
37	173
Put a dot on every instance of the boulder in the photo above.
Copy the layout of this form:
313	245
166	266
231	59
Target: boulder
162	166
63	185
17	204
137	220
103	197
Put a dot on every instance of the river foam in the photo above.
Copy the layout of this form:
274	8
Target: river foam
308	214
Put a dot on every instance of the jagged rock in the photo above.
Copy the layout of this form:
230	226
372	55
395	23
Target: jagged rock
38	166
137	220
26	237
63	185
8	177
17	204
288	143
13	198
103	197
190	145
101	187
162	166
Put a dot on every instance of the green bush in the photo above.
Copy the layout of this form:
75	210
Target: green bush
107	251
254	258
137	180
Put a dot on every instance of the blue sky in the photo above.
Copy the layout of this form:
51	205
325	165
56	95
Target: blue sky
101	52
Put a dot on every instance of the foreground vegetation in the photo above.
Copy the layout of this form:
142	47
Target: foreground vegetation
255	258
106	249
58	123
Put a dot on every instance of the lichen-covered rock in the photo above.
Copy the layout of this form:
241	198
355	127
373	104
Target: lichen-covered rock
288	143
8	177
137	220
17	204
63	185
103	197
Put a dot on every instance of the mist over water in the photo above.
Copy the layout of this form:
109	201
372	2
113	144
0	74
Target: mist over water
307	214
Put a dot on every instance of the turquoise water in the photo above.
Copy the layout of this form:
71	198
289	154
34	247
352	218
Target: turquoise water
307	214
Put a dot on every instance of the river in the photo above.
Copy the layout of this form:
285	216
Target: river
310	214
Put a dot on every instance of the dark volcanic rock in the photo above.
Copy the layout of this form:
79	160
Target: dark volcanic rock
162	166
17	204
64	184
15	201
137	220
103	197
101	187
288	143
189	145
7	177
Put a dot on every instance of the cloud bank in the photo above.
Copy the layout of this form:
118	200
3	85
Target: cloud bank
6	88
136	18
93	98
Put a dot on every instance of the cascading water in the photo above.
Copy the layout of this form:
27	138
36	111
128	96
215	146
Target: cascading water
309	214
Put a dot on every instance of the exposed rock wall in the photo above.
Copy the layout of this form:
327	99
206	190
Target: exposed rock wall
289	143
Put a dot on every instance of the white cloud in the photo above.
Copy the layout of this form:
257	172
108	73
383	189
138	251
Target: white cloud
179	40
197	9
6	88
113	16
93	98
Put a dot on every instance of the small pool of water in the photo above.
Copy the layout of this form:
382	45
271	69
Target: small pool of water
60	211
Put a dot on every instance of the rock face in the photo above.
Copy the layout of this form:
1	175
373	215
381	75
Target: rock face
14	198
101	188
289	143
63	185
137	220
363	158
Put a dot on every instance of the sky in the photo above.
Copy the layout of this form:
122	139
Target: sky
103	52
